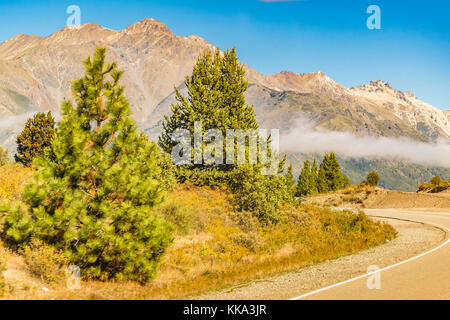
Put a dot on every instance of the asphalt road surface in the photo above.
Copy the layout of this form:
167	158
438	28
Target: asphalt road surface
425	276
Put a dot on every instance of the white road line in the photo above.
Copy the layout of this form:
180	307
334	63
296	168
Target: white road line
377	271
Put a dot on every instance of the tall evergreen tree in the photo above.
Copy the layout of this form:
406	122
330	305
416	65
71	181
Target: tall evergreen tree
35	138
330	176
290	182
345	181
304	180
322	183
215	97
333	173
94	197
314	175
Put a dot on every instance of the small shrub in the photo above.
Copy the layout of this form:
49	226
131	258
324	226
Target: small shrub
348	190
424	186
259	194
182	217
245	221
251	241
436	180
45	262
352	199
373	178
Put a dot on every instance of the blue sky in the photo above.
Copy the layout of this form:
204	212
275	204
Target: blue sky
411	50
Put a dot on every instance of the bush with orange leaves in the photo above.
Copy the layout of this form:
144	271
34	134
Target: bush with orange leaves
13	178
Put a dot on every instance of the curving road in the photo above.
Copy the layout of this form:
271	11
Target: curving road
426	276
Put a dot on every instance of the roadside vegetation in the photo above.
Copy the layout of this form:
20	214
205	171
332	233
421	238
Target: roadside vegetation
103	197
436	185
216	246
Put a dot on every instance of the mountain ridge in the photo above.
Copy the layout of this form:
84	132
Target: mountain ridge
35	74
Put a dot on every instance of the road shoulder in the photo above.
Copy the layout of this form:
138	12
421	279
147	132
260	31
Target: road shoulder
413	238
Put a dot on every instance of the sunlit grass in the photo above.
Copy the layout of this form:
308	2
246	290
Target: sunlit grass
217	247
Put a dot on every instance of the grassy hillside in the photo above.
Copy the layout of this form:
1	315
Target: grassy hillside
215	246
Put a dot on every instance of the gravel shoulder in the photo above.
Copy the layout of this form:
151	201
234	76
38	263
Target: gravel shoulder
413	238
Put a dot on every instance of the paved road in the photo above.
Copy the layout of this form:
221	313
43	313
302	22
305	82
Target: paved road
424	277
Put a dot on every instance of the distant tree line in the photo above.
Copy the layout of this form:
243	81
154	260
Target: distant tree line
322	178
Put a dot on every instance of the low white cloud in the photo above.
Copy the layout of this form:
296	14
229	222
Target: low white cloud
303	138
11	126
18	122
12	122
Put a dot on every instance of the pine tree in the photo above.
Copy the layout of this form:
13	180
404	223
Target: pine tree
290	182
215	97
304	180
345	181
322	183
4	157
333	173
373	178
314	175
436	180
35	138
94	197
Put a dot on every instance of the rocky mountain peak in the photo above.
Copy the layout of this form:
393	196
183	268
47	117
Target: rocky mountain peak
146	25
380	84
409	94
76	35
374	86
35	74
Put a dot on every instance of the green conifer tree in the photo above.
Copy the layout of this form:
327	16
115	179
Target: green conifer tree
314	175
322	183
333	173
215	97
290	182
35	138
304	180
93	198
345	181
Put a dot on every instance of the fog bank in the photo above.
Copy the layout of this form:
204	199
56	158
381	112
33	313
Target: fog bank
305	139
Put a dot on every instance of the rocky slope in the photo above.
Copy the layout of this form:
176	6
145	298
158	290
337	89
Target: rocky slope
447	114
35	74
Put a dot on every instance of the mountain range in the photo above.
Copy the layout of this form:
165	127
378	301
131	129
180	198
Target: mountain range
36	72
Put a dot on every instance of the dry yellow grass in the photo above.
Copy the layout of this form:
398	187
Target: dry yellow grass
217	247
13	178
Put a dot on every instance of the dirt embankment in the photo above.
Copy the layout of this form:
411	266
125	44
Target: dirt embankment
388	199
377	198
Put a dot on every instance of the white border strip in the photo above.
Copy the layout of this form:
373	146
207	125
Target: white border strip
383	269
